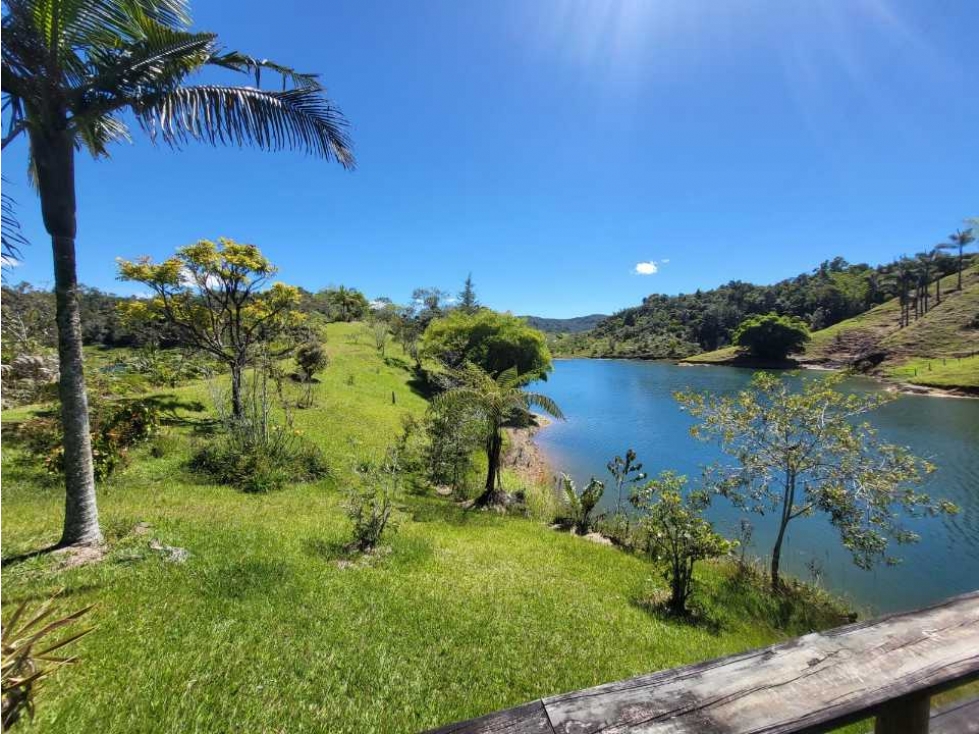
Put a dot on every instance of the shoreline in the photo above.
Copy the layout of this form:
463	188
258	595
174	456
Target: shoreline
525	457
890	384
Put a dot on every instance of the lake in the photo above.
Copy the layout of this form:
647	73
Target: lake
612	405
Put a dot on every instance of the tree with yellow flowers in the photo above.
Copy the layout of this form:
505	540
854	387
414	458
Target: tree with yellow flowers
220	299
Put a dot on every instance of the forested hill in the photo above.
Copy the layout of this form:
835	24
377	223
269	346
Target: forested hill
573	325
674	327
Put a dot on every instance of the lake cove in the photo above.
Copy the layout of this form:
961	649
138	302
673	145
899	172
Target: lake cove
612	405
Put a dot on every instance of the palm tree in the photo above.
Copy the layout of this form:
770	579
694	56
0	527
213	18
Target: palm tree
71	70
923	279
497	402
901	275
959	240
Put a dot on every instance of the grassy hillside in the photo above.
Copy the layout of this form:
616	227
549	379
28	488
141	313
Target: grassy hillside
262	629
936	350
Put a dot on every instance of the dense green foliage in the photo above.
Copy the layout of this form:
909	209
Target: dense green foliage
116	427
336	304
493	341
770	336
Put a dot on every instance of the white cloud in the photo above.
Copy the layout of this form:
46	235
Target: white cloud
665	260
646	268
9	261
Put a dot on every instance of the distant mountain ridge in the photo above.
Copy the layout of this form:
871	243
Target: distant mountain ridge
574	325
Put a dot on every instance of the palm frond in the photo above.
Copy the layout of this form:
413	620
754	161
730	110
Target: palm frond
98	132
508	378
10	233
544	403
295	119
237	61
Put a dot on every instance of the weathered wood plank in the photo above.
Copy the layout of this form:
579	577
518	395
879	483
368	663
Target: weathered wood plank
527	719
960	717
810	684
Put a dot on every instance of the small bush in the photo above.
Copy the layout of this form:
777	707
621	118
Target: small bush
260	466
165	368
580	506
675	533
115	426
371	507
618	528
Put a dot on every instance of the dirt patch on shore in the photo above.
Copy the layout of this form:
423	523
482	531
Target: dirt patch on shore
525	457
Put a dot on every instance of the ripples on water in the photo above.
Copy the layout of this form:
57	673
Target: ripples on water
612	405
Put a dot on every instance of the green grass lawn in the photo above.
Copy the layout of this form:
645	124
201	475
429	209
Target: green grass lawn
939	372
262	631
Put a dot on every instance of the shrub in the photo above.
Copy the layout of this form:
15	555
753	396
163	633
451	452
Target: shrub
675	533
115	426
618	528
771	336
311	358
453	440
165	368
255	453
580	506
371	507
260	466
24	665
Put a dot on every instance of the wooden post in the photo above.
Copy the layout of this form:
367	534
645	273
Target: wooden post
906	715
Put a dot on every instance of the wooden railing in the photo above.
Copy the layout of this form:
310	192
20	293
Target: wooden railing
886	668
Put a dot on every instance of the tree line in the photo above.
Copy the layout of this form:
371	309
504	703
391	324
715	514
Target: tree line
683	325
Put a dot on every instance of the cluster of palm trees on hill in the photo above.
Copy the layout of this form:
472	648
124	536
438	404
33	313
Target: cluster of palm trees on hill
74	73
912	277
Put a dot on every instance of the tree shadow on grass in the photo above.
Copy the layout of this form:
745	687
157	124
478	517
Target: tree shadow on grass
656	605
439	509
44	595
13	560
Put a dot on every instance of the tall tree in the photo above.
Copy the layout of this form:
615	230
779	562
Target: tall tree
71	70
494	402
215	297
802	452
467	296
959	240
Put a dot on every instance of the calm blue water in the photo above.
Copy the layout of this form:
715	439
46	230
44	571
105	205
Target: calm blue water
612	405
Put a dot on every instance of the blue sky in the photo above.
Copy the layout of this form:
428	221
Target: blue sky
550	146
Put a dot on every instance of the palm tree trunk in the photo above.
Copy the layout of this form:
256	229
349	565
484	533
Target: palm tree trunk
959	287
54	158
493	493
